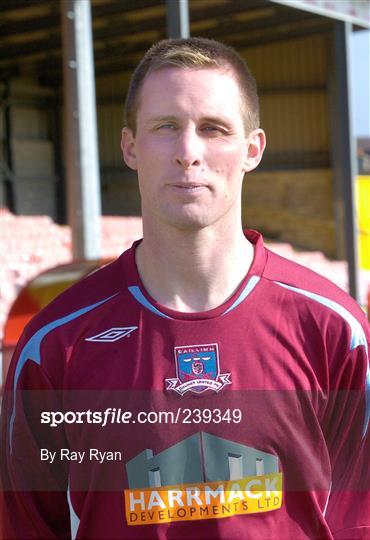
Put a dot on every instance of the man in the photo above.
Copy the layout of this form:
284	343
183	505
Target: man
238	378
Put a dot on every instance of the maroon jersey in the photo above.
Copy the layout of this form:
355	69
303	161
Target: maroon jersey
125	419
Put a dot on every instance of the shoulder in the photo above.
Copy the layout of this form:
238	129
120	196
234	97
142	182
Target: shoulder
303	291
48	339
85	296
303	281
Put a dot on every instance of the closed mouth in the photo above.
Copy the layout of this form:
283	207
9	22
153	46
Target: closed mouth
188	186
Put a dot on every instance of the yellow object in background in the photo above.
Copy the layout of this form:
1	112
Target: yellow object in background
363	212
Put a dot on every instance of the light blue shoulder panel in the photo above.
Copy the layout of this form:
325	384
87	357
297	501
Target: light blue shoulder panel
74	519
31	350
357	333
358	337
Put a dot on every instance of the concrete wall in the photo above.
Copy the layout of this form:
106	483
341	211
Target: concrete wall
292	206
32	150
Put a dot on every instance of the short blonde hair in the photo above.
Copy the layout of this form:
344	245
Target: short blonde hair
194	53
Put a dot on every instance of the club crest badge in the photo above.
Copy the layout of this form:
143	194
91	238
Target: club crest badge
197	370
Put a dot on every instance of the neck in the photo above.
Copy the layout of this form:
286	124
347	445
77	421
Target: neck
192	271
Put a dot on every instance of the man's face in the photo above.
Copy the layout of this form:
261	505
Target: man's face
190	149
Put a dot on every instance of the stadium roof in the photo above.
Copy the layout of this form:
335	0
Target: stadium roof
31	42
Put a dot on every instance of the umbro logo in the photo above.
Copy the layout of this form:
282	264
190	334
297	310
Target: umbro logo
113	334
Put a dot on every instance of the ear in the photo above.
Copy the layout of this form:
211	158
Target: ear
128	148
256	143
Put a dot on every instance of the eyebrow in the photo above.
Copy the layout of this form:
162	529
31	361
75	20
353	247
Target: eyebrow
217	120
155	119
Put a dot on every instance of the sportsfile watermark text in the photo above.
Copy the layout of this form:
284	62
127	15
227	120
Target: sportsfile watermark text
119	416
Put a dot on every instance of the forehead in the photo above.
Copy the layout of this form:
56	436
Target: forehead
184	89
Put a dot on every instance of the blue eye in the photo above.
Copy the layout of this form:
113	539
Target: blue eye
212	129
167	126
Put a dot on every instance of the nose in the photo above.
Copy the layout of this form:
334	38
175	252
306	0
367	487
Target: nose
188	151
